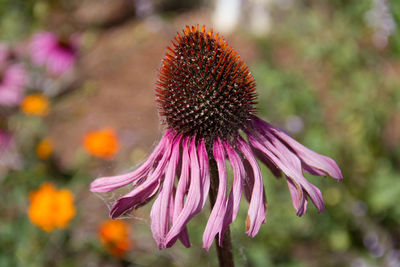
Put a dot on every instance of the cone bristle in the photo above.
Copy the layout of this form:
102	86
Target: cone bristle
204	88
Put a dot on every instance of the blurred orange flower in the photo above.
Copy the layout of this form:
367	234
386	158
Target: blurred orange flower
36	104
51	208
45	148
103	143
114	234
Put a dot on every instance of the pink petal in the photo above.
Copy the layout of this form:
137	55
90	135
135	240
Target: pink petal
248	181
182	188
160	211
236	191
267	162
257	209
204	172
215	221
314	163
288	162
184	235
143	192
299	199
155	224
193	198
107	184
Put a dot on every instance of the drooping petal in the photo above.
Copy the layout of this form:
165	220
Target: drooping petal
193	198
184	235
294	162
232	207
248	181
107	184
154	228
288	162
204	172
146	190
313	162
182	188
275	171
257	209
299	199
215	221
160	211
183	183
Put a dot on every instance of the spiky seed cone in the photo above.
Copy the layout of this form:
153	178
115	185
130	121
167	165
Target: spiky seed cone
204	89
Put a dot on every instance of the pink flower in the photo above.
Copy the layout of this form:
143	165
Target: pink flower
58	55
206	97
13	79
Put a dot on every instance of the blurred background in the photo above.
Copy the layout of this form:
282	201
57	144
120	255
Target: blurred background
77	82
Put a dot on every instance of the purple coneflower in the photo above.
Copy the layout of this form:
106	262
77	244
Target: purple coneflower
13	78
206	97
57	53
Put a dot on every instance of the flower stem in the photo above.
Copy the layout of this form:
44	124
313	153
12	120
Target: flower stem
225	255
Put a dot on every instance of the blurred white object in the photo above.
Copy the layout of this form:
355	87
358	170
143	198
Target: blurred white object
260	19
226	15
381	20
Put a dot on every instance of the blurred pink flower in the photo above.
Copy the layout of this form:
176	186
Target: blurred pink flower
57	54
13	78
